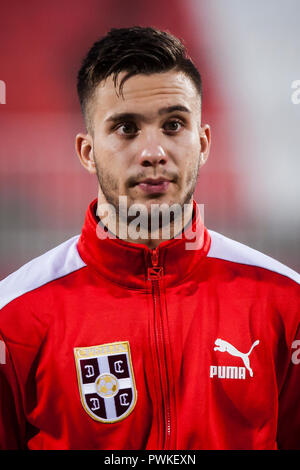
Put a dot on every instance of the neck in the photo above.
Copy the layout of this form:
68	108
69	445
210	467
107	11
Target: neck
142	227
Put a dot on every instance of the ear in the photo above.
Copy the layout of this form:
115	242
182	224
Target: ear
84	150
205	139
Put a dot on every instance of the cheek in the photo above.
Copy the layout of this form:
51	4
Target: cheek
194	139
188	142
109	155
106	146
188	152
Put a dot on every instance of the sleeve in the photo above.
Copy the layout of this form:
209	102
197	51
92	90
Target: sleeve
288	432
12	421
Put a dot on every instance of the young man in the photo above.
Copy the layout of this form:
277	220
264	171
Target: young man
156	334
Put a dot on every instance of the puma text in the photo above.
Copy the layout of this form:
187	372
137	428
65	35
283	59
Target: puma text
227	372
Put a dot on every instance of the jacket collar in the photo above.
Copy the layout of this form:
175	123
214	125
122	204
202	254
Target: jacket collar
129	264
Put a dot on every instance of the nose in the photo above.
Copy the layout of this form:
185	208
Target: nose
152	154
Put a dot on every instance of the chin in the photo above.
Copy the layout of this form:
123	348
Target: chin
160	199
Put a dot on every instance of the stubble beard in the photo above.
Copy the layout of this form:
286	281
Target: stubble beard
109	187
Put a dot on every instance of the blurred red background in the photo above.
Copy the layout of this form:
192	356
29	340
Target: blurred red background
44	190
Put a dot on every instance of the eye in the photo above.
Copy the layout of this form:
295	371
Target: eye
173	126
127	129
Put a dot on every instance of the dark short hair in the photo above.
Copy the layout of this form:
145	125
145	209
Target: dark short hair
135	50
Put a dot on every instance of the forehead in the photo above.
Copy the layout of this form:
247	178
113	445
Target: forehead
145	93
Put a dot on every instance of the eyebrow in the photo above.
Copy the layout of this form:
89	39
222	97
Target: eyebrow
123	116
176	107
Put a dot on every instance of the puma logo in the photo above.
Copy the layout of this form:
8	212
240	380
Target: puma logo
224	346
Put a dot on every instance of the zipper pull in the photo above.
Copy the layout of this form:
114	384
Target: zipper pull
154	257
155	272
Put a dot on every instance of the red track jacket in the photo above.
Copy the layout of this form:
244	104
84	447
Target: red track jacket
106	344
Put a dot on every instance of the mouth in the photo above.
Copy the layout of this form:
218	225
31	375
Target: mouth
152	186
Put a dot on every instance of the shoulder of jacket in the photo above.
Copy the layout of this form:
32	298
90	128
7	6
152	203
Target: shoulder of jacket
230	250
55	263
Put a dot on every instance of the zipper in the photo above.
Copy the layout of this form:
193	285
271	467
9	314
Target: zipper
155	274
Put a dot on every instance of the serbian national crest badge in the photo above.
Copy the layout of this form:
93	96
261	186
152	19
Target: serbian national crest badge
106	381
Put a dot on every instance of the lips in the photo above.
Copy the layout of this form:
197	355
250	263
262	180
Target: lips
151	186
153	181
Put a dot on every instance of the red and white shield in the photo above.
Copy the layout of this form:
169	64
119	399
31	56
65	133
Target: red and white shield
106	381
